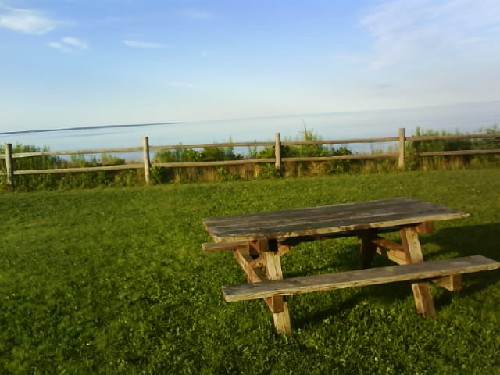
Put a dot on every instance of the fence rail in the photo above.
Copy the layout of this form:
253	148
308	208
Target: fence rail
74	152
401	142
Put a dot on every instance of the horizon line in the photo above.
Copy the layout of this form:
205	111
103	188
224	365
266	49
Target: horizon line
91	127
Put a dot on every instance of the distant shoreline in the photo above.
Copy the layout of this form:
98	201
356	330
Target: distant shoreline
464	118
372	112
89	128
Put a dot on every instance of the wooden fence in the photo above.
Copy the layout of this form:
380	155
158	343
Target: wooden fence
279	161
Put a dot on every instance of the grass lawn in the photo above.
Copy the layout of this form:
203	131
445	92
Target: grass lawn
114	281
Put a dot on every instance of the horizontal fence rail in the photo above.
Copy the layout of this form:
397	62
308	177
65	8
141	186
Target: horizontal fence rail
75	152
279	161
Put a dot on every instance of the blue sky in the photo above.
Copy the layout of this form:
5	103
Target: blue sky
68	63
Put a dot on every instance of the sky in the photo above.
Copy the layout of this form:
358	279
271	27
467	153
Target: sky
68	63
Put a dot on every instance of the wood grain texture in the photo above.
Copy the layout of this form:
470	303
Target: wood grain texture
279	308
451	283
381	275
81	170
391	250
322	220
220	246
413	254
248	265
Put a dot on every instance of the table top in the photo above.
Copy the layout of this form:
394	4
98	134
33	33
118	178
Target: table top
321	220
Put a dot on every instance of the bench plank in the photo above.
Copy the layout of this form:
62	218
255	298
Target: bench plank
372	276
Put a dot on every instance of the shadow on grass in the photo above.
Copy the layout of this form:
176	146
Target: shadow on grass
320	315
466	241
387	294
453	242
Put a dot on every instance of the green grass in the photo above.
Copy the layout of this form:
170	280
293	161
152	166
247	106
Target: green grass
114	281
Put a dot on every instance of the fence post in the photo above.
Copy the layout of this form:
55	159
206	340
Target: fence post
277	152
9	165
401	148
147	161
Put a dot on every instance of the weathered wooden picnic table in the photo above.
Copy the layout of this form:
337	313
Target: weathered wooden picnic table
260	239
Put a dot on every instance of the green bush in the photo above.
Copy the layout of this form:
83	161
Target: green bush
413	161
413	150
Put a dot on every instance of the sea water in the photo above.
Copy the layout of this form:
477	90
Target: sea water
464	118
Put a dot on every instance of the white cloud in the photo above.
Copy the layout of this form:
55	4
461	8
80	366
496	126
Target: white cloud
28	21
419	30
142	44
74	42
69	44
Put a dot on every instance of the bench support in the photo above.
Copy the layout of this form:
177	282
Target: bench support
262	262
451	283
281	316
413	254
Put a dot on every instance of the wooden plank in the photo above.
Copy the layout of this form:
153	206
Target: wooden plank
342	157
451	136
9	165
387	244
461	152
247	264
220	246
277	153
283	249
413	254
411	245
282	321
81	170
211	163
277	303
273	266
341	141
390	249
324	220
424	301
76	152
209	145
147	160
425	228
451	283
359	278
401	148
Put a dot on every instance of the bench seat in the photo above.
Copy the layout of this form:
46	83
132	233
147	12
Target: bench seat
358	278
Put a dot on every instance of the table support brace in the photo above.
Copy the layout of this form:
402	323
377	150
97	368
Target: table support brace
281	316
424	301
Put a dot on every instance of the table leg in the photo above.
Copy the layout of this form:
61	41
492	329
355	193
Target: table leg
413	254
368	248
277	304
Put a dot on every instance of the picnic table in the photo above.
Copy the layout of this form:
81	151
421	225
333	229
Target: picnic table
258	241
